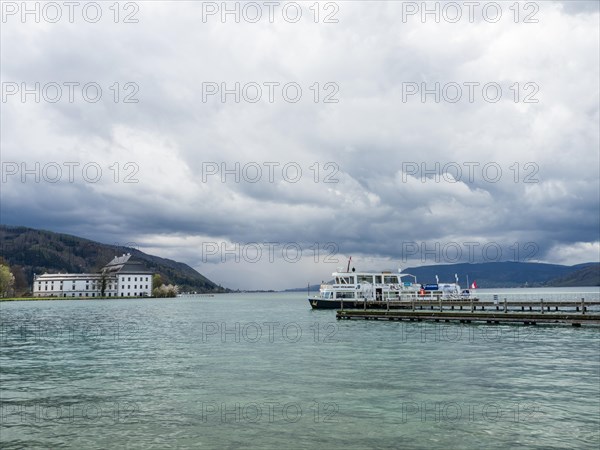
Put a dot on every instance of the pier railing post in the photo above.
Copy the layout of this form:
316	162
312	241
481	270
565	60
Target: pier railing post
342	305
505	306
542	305
582	305
471	305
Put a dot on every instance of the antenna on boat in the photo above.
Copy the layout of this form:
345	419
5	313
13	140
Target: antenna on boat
348	269
456	277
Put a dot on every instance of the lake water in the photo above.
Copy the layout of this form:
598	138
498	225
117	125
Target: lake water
265	371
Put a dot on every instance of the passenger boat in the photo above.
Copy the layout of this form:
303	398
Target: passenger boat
356	290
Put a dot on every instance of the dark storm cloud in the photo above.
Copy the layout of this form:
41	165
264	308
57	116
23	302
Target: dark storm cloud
392	161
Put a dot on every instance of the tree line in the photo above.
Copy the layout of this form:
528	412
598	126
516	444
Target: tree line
160	289
13	282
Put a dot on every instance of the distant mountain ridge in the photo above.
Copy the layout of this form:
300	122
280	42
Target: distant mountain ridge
32	251
40	251
505	274
589	275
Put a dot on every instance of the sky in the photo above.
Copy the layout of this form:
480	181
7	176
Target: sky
264	143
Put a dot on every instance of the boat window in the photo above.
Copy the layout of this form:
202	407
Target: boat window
378	279
390	279
344	294
365	279
346	280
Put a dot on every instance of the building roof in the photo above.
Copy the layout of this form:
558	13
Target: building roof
123	264
120	265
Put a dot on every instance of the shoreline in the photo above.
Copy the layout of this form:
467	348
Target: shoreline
29	299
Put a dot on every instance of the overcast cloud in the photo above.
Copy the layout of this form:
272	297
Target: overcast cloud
514	177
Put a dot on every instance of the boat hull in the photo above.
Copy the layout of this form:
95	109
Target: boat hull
317	303
320	303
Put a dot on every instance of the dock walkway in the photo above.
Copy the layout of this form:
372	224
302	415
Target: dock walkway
575	313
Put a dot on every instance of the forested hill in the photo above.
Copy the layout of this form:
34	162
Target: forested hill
588	275
30	251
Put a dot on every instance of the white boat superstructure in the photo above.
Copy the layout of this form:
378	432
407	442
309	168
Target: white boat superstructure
357	288
370	286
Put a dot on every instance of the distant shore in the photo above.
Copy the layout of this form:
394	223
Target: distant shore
29	299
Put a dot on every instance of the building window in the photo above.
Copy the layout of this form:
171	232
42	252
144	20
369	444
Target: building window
128	278
135	279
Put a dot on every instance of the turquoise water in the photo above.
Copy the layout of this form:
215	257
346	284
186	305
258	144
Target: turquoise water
266	371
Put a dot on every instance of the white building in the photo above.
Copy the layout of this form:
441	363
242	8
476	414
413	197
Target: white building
121	277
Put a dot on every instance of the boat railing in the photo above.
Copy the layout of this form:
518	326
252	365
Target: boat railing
490	297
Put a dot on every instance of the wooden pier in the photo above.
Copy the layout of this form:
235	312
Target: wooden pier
576	313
